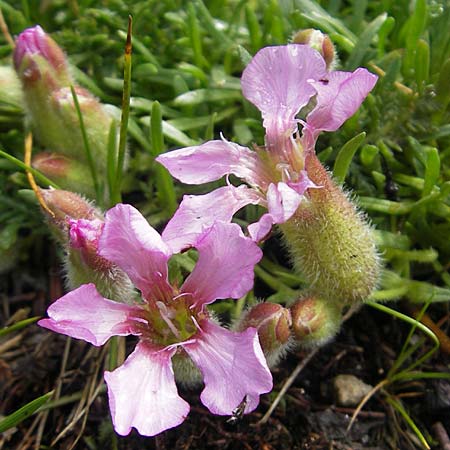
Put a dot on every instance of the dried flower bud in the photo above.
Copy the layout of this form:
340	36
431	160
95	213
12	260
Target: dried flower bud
67	173
318	41
273	323
331	242
314	320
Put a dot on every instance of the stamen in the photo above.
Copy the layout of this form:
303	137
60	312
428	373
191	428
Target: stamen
165	316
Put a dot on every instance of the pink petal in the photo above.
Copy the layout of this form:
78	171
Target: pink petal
142	393
225	267
339	98
130	242
211	161
278	82
84	314
84	232
197	213
258	231
233	368
282	201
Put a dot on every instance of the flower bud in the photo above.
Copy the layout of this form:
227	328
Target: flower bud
318	41
67	173
38	60
44	72
96	119
77	224
331	242
314	320
273	323
67	205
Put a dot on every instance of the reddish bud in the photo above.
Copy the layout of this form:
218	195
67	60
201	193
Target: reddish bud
318	41
67	173
68	205
314	320
273	323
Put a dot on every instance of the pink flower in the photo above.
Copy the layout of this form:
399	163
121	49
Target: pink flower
279	81
169	321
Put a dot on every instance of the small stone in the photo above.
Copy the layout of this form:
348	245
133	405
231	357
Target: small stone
349	390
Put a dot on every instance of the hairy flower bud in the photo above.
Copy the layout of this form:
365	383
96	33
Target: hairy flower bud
273	323
318	41
314	320
96	119
67	205
67	173
44	72
331	242
77	225
38	59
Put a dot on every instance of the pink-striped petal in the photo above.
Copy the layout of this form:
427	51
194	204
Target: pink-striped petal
130	242
278	82
225	267
233	366
211	161
197	213
84	314
143	395
339	97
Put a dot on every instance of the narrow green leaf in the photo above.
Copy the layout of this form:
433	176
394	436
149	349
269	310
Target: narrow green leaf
253	28
362	45
385	206
312	11
38	175
116	197
432	170
345	156
442	85
87	147
383	33
422	64
201	96
164	181
18	326
156	130
220	38
24	412
368	153
399	407
111	157
195	37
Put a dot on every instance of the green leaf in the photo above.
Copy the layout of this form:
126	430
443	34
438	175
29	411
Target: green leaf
364	41
24	412
200	96
345	156
422	64
432	170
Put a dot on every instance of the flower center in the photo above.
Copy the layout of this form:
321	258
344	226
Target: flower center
169	322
